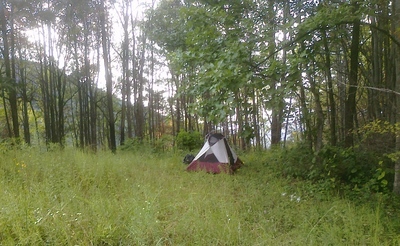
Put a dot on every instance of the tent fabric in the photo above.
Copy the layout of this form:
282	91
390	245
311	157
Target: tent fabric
214	138
215	156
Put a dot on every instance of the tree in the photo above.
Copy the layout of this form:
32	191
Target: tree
126	79
350	106
108	76
8	36
396	8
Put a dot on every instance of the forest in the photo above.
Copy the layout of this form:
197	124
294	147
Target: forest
318	80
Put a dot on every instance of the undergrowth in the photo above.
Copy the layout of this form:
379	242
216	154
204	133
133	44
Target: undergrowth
66	197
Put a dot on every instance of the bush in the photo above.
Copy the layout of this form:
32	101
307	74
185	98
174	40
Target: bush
189	140
135	145
164	143
294	162
336	168
354	168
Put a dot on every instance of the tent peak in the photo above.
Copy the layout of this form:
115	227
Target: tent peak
214	138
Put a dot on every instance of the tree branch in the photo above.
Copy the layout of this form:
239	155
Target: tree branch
302	36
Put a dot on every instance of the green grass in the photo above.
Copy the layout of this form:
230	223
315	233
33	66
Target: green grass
72	198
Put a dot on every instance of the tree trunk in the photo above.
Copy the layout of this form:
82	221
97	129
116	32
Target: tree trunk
109	84
129	107
140	120
319	113
276	126
396	8
331	99
125	71
27	134
350	104
255	101
9	69
305	118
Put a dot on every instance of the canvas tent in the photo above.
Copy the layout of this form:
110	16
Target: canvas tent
216	156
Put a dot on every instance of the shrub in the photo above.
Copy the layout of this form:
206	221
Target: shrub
293	162
189	140
336	168
135	145
354	168
164	143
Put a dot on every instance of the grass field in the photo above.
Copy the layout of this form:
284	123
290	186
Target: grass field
72	198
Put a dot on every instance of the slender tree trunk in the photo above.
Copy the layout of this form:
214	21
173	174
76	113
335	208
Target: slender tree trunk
129	106
25	100
178	113
140	120
287	123
276	126
171	103
396	8
342	63
62	82
13	90
319	113
305	118
3	96
255	118
332	103
9	68
27	134
109	84
125	72
93	106
240	122
350	104
152	95
374	110
44	87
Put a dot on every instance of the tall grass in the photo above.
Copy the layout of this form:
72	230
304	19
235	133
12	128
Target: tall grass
72	198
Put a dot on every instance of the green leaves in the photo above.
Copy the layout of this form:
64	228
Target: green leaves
215	58
189	140
329	15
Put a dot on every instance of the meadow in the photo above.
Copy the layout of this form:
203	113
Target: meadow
141	198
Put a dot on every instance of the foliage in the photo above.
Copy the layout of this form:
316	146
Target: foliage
74	198
135	145
337	169
189	140
219	57
159	146
164	143
329	15
355	169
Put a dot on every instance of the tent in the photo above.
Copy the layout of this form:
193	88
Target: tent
216	156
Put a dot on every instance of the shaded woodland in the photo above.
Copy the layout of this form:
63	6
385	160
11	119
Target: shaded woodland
268	74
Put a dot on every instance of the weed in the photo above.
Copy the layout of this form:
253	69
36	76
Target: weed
67	197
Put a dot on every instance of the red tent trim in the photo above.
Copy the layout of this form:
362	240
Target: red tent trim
214	167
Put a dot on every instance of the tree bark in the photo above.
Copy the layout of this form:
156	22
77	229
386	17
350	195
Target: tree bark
109	84
319	113
396	8
125	71
9	68
350	104
331	98
140	120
